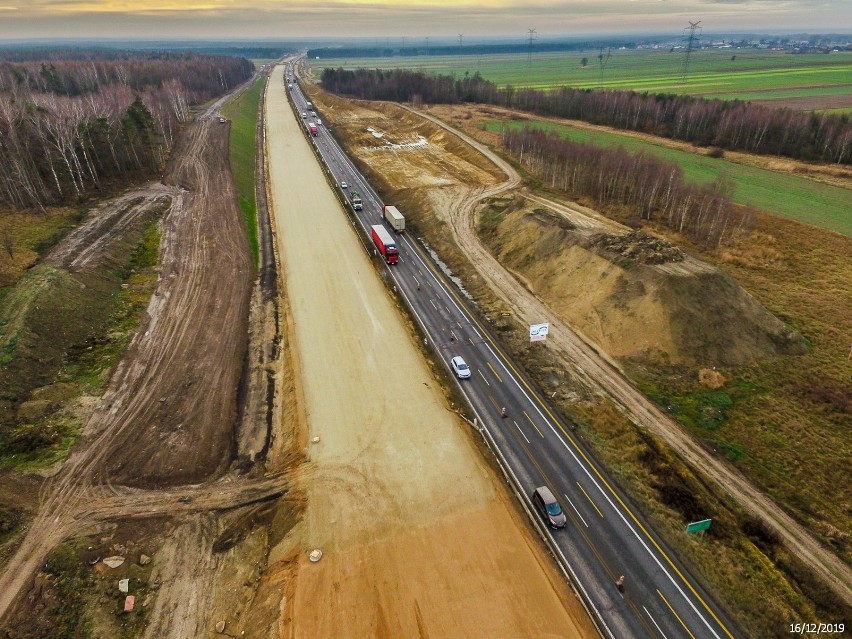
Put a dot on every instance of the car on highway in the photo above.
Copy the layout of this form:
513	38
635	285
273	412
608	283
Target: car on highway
304	115
344	185
319	122
548	507
460	367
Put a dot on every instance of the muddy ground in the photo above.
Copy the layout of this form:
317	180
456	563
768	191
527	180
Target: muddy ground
151	474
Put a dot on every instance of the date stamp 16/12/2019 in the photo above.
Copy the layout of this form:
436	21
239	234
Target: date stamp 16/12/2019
817	628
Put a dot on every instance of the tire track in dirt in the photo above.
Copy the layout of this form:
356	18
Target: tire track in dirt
169	413
602	373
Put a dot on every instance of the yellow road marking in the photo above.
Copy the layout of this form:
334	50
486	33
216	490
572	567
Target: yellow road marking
533	425
675	614
499	379
590	499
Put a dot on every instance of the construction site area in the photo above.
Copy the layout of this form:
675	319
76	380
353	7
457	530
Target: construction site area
279	454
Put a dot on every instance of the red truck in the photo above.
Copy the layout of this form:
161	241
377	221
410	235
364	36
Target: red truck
384	242
313	128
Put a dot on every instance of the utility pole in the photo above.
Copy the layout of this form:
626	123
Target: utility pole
603	60
461	37
691	42
427	46
531	32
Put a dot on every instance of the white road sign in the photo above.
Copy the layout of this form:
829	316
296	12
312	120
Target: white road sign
538	332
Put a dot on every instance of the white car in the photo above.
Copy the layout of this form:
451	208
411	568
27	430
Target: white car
304	115
460	368
344	185
319	122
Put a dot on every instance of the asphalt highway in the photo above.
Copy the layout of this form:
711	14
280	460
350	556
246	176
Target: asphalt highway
605	537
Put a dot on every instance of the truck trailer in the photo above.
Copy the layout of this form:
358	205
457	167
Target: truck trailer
384	242
313	129
394	218
355	199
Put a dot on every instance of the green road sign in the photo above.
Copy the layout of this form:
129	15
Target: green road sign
698	526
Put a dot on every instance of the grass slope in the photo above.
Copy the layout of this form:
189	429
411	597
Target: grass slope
786	195
243	112
60	334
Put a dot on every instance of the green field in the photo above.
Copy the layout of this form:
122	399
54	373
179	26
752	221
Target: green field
712	72
242	112
787	195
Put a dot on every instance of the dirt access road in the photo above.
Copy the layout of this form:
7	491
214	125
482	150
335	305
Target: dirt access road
168	418
600	371
419	538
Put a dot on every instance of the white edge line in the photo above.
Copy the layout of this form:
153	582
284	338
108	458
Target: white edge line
654	621
479	370
575	510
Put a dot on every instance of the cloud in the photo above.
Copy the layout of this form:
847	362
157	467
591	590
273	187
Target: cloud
395	18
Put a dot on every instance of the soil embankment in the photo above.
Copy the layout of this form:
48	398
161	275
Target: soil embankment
630	293
182	387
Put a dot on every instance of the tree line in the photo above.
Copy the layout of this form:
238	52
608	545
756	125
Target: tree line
653	188
732	125
438	49
69	125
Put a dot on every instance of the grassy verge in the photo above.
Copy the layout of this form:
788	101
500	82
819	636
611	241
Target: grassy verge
783	194
243	113
60	335
76	601
27	236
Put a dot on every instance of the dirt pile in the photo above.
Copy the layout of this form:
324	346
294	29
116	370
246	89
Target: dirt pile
633	294
639	248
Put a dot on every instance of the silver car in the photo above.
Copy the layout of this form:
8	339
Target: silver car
547	506
460	367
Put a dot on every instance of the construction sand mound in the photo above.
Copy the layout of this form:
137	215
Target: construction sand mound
633	294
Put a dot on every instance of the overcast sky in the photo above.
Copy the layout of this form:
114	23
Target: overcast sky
410	18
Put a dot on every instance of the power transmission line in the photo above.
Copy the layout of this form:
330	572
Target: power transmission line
691	42
602	61
532	37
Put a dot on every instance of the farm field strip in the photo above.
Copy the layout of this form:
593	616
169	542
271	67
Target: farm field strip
710	71
794	92
787	195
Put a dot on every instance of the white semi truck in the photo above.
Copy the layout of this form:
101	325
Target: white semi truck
394	218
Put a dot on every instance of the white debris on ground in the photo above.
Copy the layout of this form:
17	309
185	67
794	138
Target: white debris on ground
420	143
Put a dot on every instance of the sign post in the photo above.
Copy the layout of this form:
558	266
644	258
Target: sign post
698	526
